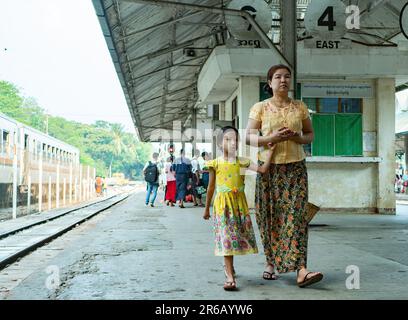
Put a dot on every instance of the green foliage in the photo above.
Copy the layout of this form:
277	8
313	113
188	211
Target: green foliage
103	145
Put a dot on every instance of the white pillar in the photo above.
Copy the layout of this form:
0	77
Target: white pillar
228	110
221	110
49	193
88	184
40	179
385	97
248	95
57	187
70	183
76	189
64	191
93	182
80	183
21	155
15	174
28	192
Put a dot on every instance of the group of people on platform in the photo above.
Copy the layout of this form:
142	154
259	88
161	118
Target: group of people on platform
183	179
279	126
401	180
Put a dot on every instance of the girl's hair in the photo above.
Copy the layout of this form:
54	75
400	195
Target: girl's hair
221	134
270	74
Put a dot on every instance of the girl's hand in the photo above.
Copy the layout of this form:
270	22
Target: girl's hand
206	215
271	146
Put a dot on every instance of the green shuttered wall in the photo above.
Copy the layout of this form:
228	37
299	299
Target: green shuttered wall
337	135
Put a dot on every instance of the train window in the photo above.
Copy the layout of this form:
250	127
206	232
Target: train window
5	137
44	150
38	148
4	141
25	141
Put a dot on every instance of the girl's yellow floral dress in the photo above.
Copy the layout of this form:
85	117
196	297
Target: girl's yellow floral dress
234	234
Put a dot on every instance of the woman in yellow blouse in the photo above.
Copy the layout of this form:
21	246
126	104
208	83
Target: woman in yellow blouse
282	193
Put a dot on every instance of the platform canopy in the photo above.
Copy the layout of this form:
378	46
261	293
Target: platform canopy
158	48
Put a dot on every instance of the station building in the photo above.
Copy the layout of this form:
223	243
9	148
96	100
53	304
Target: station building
198	65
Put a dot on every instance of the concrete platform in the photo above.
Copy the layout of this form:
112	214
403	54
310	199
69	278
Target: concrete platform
138	252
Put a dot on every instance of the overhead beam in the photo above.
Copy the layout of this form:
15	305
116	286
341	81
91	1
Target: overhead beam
401	87
221	11
173	47
288	36
393	10
372	35
191	86
371	7
170	66
159	25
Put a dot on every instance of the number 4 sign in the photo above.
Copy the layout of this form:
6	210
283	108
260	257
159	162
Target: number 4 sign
326	19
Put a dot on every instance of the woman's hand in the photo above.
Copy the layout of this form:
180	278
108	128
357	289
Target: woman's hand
206	215
281	134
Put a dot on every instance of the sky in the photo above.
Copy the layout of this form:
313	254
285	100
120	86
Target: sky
54	51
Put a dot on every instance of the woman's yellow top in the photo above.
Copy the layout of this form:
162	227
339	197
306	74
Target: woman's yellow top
273	118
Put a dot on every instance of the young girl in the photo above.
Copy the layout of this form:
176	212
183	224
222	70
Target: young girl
234	234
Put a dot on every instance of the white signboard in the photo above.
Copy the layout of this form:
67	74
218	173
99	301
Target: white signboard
337	90
327	44
326	19
241	29
404	20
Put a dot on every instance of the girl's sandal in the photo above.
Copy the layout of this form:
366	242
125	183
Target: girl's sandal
230	285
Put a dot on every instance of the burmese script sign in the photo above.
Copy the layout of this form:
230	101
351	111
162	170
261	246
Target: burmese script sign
337	90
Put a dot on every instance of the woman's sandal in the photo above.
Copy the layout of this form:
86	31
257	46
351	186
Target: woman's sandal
308	281
269	275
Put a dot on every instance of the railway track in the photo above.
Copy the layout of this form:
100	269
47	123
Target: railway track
19	242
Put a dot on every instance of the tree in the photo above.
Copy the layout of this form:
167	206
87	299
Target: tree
118	135
10	100
103	145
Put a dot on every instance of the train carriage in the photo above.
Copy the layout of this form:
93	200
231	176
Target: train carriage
32	157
